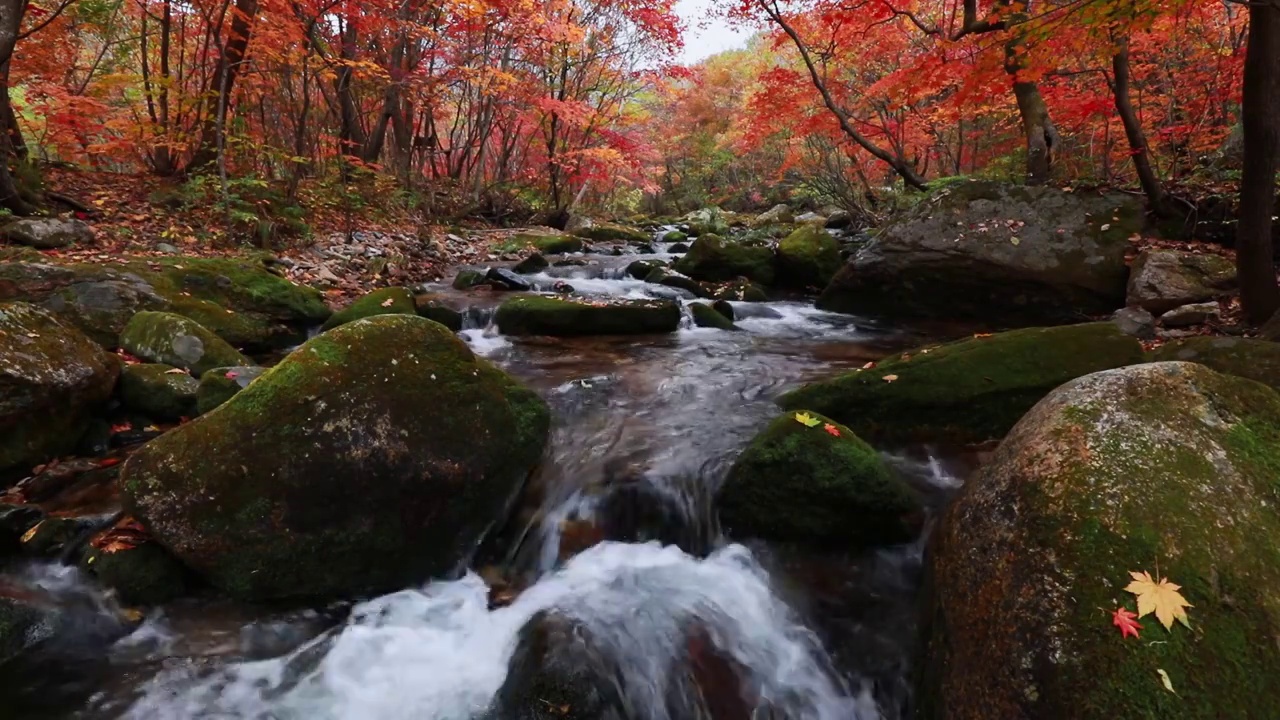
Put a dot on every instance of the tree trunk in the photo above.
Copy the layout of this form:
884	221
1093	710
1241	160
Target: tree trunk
11	12
229	62
1151	184
1041	135
1260	116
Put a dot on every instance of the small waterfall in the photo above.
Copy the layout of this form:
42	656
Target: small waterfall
439	653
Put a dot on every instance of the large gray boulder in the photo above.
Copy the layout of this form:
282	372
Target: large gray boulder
52	377
47	233
1005	254
1161	280
1166	468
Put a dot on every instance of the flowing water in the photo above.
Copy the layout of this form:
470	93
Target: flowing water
644	430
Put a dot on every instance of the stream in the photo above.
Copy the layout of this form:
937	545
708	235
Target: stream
644	430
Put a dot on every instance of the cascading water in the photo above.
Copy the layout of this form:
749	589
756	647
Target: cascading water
644	431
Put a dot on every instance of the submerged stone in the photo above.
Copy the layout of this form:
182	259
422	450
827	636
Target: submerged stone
539	315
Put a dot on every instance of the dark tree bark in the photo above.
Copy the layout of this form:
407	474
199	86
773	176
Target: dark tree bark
1260	116
11	12
1151	185
230	61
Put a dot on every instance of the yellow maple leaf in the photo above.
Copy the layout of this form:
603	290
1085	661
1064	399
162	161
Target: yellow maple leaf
1161	598
806	419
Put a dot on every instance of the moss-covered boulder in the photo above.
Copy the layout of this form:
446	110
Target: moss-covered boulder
221	384
674	236
708	317
1167	468
47	233
467	279
1161	280
158	391
432	307
716	259
539	315
371	458
558	672
1254	359
535	263
611	232
143	574
640	269
966	391
741	290
238	299
808	478
669	278
161	337
707	221
545	241
383	301
52	377
808	258
1002	254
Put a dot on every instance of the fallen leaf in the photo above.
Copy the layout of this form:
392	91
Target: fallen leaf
231	375
108	462
387	302
175	371
869	365
1105	227
806	419
26	537
831	430
1161	598
982	335
1014	240
1126	621
889	378
1164	678
33	335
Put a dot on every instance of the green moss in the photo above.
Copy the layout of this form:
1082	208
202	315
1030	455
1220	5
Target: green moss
384	301
172	339
140	575
808	258
540	315
221	384
967	391
330	476
795	482
433	308
612	232
547	243
674	236
706	316
1253	359
713	258
158	391
467	279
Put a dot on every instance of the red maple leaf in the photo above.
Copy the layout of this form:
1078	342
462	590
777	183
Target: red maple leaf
832	429
1126	621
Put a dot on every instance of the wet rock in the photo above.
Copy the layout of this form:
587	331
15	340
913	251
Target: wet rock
558	673
143	574
674	236
811	218
563	288
504	279
467	279
754	311
158	391
221	384
677	248
239	300
1193	314
808	258
52	378
570	262
725	308
47	482
57	536
635	511
779	213
1167	468
1135	322
612	232
47	233
432	307
819	484
644	249
706	316
547	242
15	521
371	458
1254	359
161	337
839	219
539	315
535	263
715	259
663	276
641	269
383	301
707	221
1161	280
998	253
23	625
740	290
967	391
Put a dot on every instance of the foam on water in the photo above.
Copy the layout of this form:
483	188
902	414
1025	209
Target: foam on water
439	653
